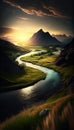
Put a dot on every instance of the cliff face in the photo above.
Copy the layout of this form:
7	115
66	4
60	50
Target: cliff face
66	62
66	56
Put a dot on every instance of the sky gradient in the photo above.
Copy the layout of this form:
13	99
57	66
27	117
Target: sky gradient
21	18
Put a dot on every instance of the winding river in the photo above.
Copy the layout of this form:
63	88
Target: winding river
13	102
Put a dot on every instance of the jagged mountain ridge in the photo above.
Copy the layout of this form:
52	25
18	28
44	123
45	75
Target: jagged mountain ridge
63	38
44	39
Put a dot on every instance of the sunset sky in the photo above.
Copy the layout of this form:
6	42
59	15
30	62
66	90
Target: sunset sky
19	19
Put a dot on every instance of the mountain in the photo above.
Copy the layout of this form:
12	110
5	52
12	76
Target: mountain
66	56
43	39
63	38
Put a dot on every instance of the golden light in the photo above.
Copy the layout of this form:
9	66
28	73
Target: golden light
27	91
18	36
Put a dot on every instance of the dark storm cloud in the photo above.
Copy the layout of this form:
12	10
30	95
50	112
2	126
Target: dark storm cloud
56	8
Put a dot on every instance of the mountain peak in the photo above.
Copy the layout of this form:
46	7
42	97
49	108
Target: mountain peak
40	31
43	38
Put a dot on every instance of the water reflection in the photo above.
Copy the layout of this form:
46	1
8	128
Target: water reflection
13	102
27	92
43	87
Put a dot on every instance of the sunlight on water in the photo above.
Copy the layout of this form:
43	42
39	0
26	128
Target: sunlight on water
51	81
27	90
26	97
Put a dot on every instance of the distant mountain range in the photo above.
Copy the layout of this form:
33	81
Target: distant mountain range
63	38
44	39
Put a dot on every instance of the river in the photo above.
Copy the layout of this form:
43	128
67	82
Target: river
13	102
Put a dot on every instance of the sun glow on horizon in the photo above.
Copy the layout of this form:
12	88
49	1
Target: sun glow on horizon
18	36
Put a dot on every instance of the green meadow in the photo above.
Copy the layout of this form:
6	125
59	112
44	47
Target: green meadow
23	79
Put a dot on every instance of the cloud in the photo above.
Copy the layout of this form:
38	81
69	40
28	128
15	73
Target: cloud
4	30
23	18
55	8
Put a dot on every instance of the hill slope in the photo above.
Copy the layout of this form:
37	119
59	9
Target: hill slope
8	66
10	49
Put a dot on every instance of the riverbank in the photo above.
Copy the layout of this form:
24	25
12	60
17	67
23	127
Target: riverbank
48	61
31	95
24	80
60	105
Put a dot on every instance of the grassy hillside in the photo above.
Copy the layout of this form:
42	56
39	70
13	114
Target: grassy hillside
60	116
20	79
12	50
13	76
60	105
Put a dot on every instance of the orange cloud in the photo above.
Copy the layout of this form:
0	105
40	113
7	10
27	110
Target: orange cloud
39	8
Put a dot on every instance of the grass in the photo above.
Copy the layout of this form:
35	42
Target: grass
65	72
61	93
60	116
48	60
23	80
26	76
25	122
40	58
61	104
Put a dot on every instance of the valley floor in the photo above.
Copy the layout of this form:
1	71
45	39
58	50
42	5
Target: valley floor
22	80
60	105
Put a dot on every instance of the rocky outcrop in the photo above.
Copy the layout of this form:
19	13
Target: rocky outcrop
66	56
66	59
44	112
